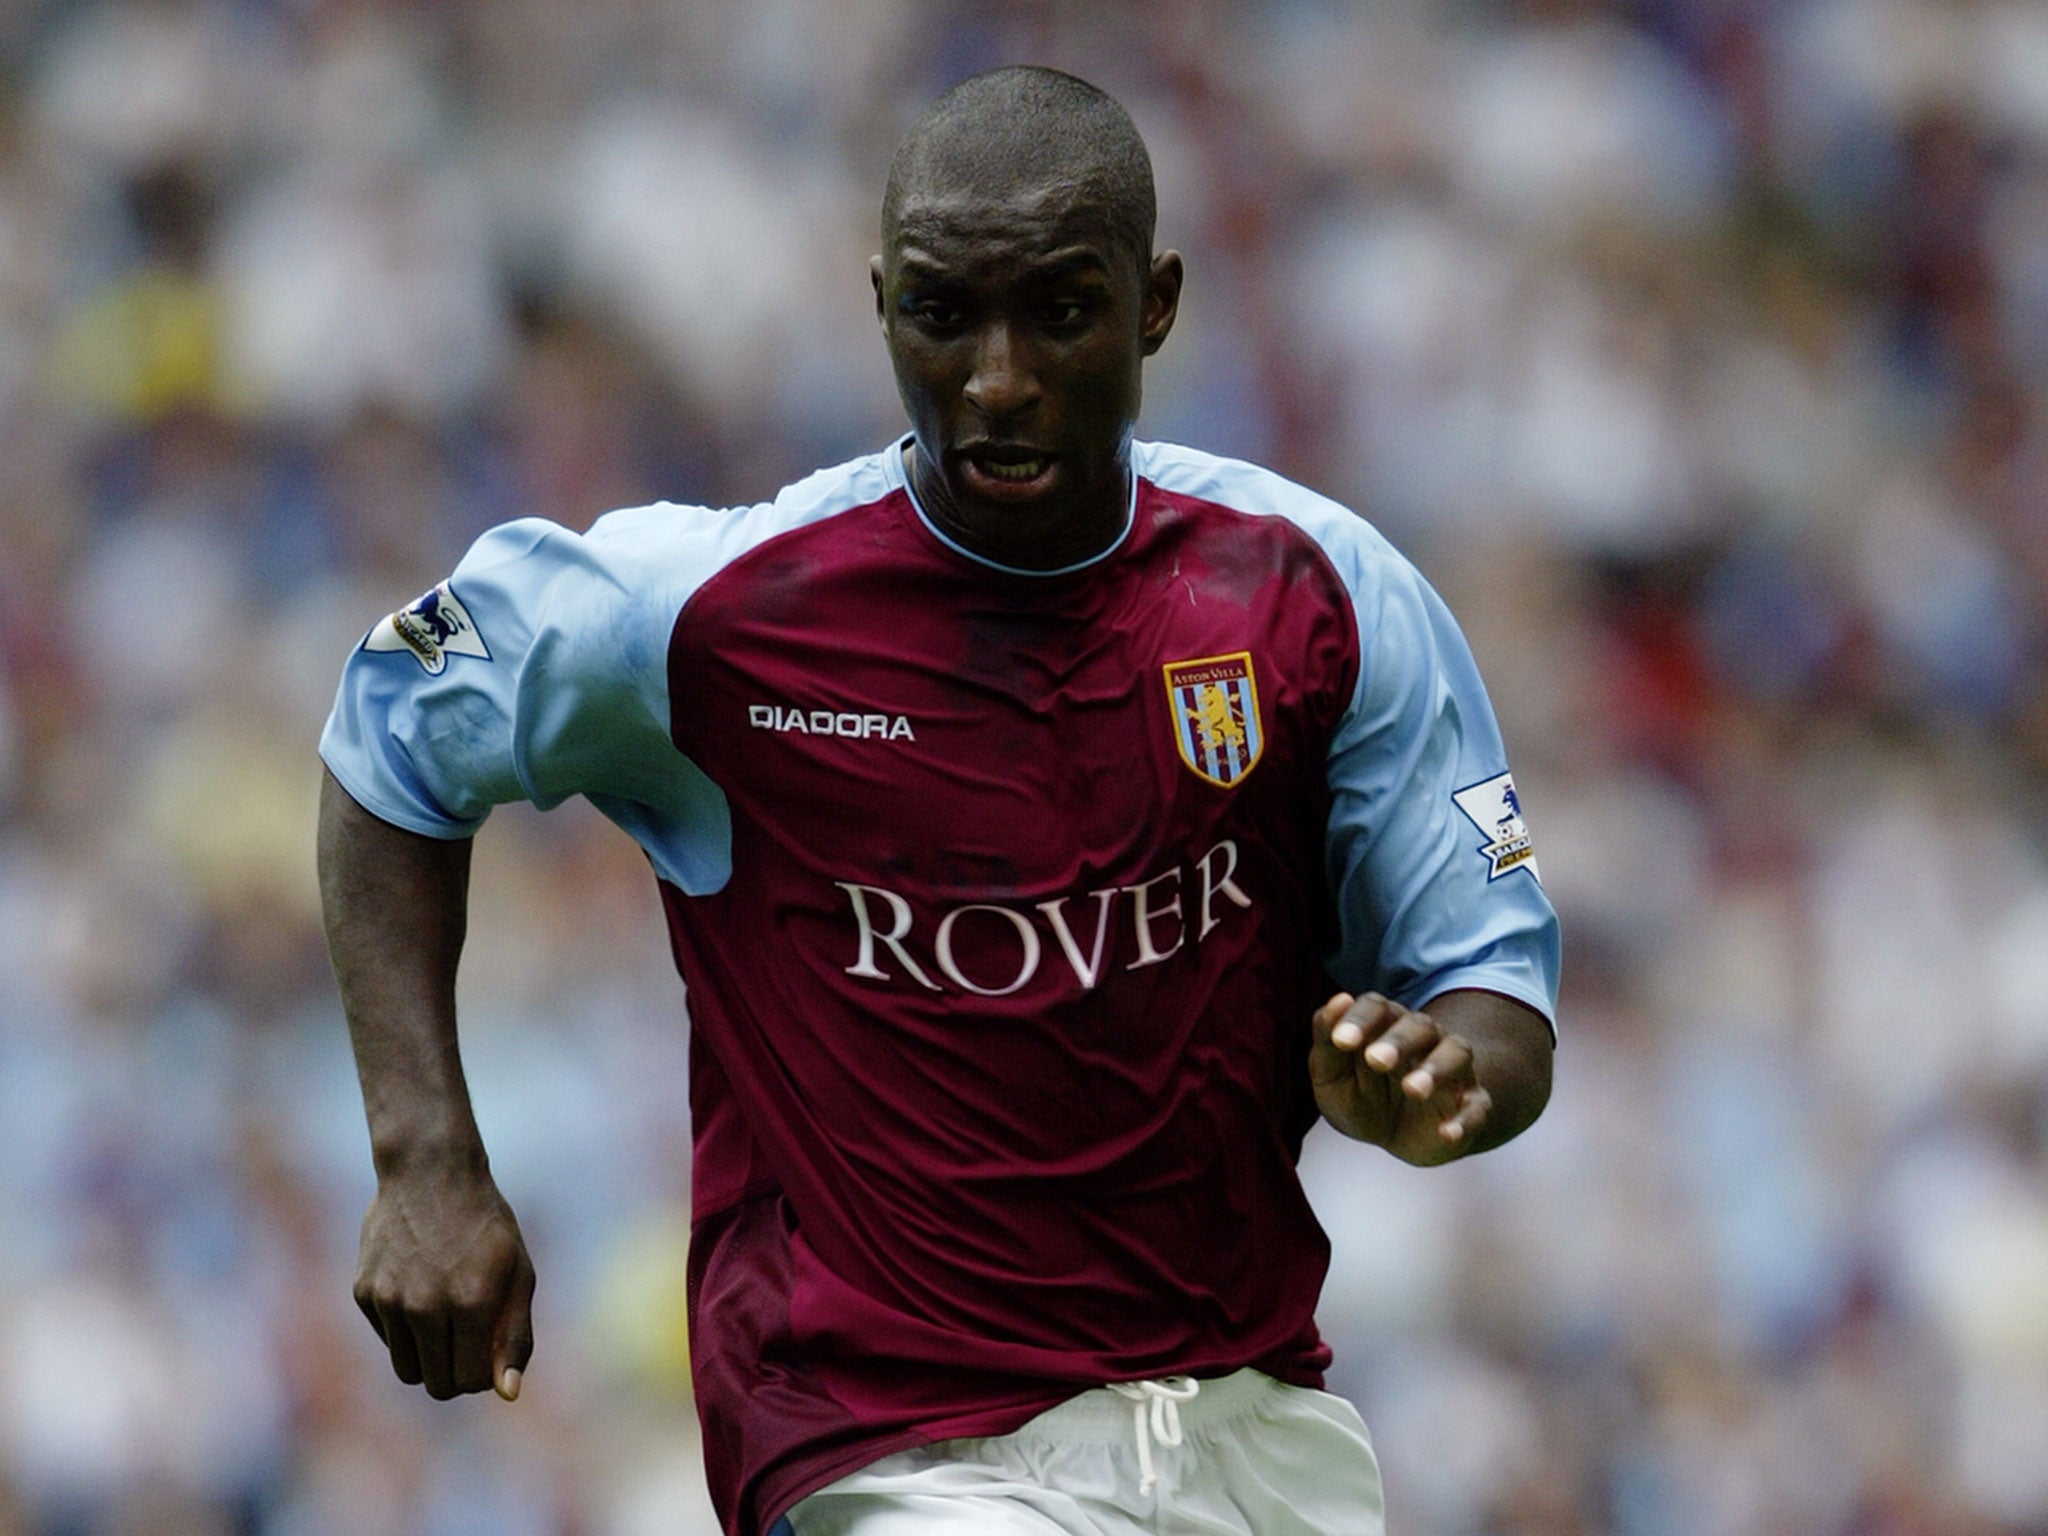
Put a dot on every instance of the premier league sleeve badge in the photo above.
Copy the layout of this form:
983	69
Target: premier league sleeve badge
1496	810
433	628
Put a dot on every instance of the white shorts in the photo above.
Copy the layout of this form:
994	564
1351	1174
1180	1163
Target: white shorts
1245	1454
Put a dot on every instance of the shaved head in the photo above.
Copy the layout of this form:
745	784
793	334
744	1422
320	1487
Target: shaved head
1019	129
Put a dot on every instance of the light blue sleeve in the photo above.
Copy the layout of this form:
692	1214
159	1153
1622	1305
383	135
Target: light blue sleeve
1429	856
537	671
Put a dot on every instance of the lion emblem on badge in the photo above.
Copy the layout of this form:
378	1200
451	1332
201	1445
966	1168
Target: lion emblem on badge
1215	706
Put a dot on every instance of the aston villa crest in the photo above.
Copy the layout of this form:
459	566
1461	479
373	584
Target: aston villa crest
1215	707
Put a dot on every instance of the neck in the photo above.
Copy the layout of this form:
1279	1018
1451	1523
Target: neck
1065	531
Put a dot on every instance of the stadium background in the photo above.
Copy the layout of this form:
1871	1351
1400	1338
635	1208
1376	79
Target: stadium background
1697	350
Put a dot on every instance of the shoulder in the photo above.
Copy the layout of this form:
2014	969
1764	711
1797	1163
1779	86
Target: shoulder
656	556
605	599
1363	559
697	534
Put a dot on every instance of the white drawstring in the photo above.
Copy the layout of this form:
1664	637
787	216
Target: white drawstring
1164	1396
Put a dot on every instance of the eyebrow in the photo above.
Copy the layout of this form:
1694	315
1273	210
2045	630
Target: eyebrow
1060	263
1074	256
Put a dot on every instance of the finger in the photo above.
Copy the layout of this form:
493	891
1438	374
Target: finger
1327	1016
431	1337
396	1330
1361	1020
1474	1109
367	1305
1403	1040
513	1345
1328	1062
1449	1062
470	1340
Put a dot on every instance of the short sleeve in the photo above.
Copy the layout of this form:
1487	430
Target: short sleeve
1429	855
536	671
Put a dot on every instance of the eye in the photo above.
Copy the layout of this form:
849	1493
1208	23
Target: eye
1065	313
933	314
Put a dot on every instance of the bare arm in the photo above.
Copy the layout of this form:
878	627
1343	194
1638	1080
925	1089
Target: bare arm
443	1274
1470	1073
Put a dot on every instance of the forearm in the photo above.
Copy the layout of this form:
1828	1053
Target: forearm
444	1275
395	907
1511	1056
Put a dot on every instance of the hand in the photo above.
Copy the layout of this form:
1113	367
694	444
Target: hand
445	1280
1391	1076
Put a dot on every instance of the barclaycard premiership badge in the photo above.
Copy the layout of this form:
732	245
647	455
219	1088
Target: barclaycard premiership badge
433	628
1496	810
1215	707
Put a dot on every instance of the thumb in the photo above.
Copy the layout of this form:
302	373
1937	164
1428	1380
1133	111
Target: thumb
512	1340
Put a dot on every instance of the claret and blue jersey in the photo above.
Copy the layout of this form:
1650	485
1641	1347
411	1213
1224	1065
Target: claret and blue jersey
1002	900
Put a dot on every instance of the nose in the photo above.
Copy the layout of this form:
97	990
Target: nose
1003	381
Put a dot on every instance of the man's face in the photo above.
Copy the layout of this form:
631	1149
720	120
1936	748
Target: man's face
1018	326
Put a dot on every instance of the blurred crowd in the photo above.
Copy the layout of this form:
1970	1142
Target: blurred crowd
1697	349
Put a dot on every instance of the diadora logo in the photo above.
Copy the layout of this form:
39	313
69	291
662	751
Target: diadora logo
993	949
828	722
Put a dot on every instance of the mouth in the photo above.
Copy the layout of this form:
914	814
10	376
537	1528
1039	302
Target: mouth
1007	471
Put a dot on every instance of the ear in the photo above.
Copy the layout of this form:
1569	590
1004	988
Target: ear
875	276
1162	300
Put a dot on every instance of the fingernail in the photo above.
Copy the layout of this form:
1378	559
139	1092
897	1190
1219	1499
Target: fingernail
508	1385
1381	1055
1346	1036
1419	1084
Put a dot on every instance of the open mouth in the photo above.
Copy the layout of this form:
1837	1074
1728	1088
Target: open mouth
1017	470
1005	468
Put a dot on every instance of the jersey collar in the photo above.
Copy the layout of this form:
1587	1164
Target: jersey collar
894	467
